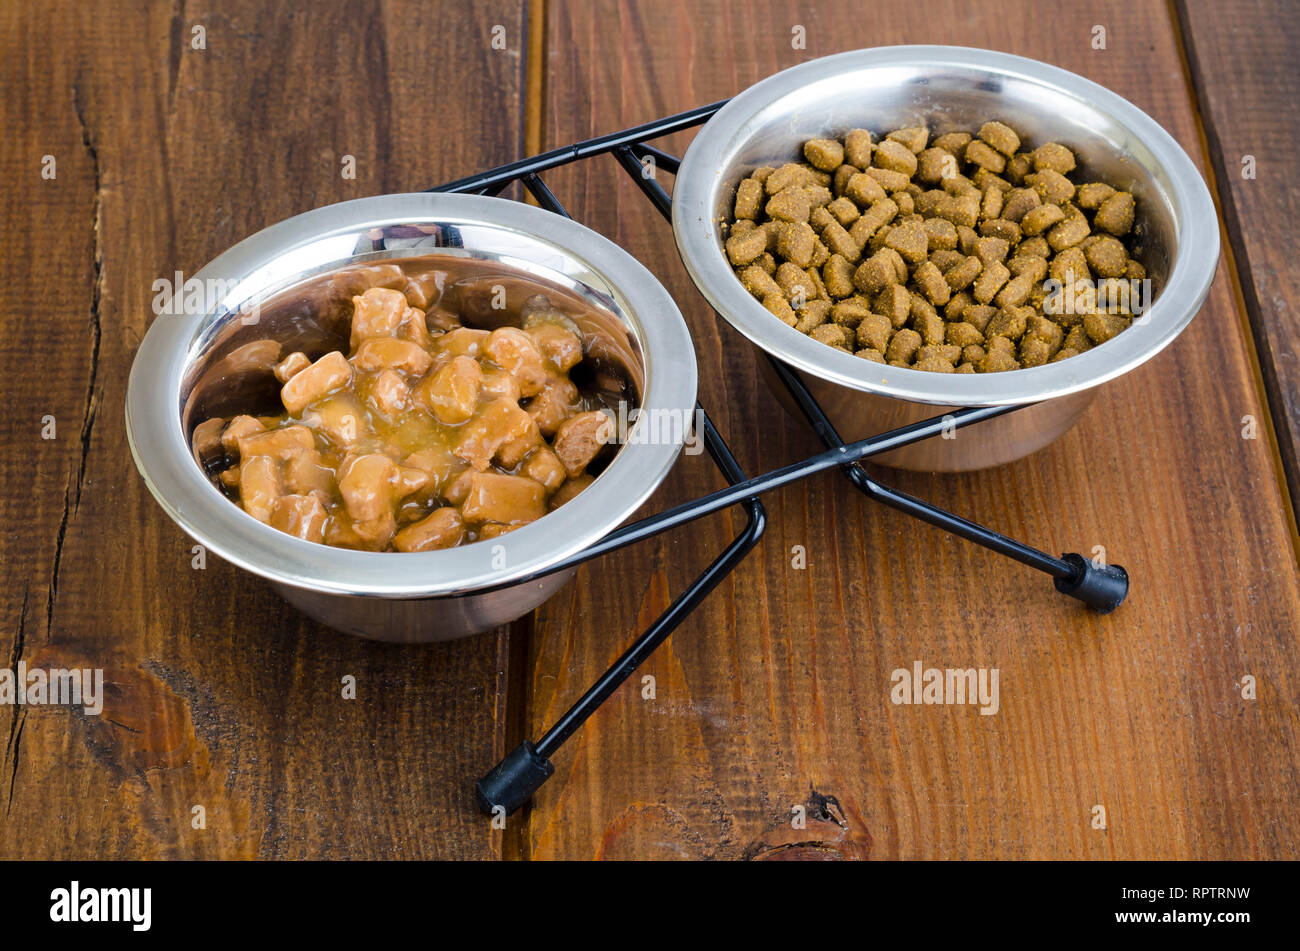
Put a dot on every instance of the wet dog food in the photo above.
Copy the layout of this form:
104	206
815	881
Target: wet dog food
961	253
429	433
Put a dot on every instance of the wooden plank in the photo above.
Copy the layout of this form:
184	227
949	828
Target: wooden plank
775	693
1237	52
219	694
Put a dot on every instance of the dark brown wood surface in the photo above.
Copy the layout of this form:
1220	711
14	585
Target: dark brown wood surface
1242	56
775	692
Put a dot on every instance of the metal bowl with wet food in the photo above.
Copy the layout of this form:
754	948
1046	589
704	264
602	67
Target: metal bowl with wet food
289	289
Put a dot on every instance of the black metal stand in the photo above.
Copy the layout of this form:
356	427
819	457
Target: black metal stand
512	782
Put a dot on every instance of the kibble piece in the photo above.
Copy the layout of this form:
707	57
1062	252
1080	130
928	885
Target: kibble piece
819	218
1054	156
945	258
889	180
779	307
875	356
999	361
795	283
745	248
961	210
991	203
1008	322
1115	214
1020	201
941	234
1051	185
990	281
874	332
985	156
1069	266
1036	246
954	143
838	241
833	335
895	156
1018	166
1038	220
903	346
928	324
933	363
1031	264
818	195
837	276
909	240
1001	136
857	148
843	210
914	137
1089	197
962	275
1073	229
785	176
989	250
812	314
935	164
932	284
849	313
894	303
1107	257
1100	327
905	202
789	204
966	238
841	178
795	242
874	274
1015	292
824	154
749	199
962	334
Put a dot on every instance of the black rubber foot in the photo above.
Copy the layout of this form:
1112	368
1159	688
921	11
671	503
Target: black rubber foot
512	782
1102	589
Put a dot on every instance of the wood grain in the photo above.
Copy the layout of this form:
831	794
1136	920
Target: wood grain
775	693
1240	54
219	694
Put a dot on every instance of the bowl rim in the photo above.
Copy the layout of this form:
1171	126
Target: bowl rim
164	458
1192	272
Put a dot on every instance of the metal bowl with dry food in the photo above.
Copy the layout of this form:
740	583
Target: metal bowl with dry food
289	290
949	89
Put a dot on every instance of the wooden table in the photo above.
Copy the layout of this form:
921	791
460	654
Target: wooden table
774	693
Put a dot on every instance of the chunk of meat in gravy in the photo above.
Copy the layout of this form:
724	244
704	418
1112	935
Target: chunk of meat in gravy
302	516
515	352
553	405
380	353
377	313
289	367
279	443
558	345
368	486
510	500
570	489
307	386
498	384
579	438
499	423
452	393
389	393
306	474
259	486
443	529
236	429
544	466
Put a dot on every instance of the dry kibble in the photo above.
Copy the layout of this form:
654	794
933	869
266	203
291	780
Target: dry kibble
895	156
824	154
1001	137
1115	214
934	254
1055	156
857	148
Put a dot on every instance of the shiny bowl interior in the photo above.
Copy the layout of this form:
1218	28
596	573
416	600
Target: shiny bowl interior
952	89
287	288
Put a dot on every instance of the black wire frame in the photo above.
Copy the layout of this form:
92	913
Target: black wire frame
511	783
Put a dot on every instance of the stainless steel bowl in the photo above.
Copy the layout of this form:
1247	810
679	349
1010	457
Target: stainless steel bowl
276	291
949	89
